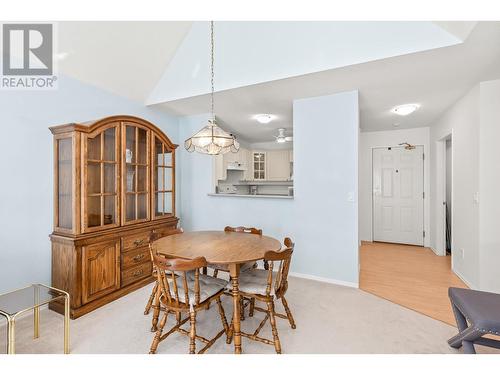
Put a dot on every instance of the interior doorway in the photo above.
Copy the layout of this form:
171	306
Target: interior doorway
444	196
398	194
448	201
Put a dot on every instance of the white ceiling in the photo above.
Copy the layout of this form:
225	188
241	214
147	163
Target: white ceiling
249	53
435	79
126	57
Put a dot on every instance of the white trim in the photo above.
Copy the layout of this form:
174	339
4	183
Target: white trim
461	277
325	280
440	213
435	251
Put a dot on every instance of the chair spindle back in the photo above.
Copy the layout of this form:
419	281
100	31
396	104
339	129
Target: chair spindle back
155	236
284	257
243	229
169	270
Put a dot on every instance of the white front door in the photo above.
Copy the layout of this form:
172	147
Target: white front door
398	195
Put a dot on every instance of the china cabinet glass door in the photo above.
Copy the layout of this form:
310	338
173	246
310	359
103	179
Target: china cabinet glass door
64	186
101	179
163	180
135	151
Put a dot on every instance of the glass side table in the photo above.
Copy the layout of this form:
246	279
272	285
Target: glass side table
17	302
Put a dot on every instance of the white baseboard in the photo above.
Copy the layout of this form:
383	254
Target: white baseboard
461	277
324	280
434	251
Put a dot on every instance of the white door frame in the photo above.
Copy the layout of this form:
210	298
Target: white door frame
426	194
440	208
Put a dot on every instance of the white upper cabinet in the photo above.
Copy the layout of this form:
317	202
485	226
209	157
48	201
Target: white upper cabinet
242	157
220	168
255	165
248	173
278	165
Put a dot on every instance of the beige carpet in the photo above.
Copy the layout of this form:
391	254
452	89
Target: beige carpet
330	319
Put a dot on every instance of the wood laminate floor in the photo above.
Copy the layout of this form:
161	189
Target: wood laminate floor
410	276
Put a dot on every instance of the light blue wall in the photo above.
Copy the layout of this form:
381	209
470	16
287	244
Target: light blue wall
320	219
26	168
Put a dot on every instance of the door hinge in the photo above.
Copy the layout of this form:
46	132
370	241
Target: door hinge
424	233
423	195
423	156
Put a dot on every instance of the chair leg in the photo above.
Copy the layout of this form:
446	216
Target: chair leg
458	340
216	272
156	311
192	332
151	299
214	275
229	336
276	339
242	308
288	312
159	331
223	317
252	307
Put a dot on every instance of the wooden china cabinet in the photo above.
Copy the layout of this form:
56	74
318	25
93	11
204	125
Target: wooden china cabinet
114	184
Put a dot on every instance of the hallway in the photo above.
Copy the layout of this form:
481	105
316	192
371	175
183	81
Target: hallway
410	276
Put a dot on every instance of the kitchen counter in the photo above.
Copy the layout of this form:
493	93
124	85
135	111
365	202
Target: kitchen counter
252	195
260	182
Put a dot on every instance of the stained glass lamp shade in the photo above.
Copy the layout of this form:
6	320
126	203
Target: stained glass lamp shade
212	140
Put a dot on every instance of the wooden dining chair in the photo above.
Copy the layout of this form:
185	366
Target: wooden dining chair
183	289
268	286
154	236
245	267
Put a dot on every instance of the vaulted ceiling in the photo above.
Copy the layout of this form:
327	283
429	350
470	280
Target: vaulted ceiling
165	64
127	58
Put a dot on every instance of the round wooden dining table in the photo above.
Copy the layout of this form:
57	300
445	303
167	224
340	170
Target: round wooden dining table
219	247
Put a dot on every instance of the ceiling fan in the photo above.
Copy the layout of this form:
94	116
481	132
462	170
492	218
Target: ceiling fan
281	138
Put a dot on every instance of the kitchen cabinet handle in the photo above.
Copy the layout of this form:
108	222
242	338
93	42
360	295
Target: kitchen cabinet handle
138	242
138	273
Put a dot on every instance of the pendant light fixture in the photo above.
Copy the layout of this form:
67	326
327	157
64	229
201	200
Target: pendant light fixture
211	139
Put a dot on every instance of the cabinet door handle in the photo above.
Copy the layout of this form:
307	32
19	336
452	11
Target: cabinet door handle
138	273
138	242
138	257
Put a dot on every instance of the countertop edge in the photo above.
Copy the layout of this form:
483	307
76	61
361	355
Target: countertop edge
251	196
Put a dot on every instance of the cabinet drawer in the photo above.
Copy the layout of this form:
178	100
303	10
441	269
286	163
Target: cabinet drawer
136	273
164	231
135	241
134	257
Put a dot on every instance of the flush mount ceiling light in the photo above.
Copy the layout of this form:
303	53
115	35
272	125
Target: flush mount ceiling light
264	118
211	139
405	109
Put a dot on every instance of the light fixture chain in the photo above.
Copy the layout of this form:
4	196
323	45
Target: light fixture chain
211	139
212	67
